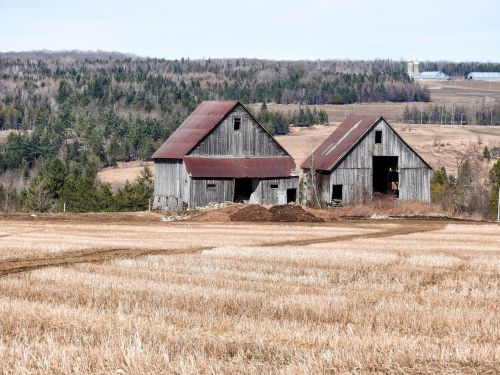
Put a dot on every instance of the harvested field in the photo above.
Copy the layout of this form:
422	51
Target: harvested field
123	172
388	296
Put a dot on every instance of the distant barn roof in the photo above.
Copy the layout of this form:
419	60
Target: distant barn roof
484	76
430	76
194	128
248	167
347	136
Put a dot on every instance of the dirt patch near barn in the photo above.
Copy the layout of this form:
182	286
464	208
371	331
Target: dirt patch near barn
280	213
215	215
252	212
291	213
257	213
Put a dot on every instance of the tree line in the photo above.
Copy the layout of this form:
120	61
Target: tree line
277	122
59	186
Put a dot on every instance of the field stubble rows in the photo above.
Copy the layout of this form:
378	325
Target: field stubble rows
392	296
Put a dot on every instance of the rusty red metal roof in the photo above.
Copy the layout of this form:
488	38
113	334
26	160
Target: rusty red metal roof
194	128
248	167
340	142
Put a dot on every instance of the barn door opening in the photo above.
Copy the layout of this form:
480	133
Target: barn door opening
386	175
243	189
291	195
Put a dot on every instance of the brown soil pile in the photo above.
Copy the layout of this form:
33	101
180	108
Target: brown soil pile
291	213
216	215
252	212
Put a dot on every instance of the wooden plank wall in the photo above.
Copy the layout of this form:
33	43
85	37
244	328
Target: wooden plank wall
264	194
201	194
171	185
250	140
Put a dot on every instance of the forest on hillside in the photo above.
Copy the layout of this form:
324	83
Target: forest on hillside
112	107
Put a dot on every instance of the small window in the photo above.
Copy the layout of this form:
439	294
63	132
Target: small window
274	186
237	123
336	192
210	186
378	136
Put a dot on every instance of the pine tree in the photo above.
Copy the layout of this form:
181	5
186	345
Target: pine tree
486	153
494	179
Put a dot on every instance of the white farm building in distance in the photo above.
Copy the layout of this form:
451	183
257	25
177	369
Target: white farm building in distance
484	76
413	70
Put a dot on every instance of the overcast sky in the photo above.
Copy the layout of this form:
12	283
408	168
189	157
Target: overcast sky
275	29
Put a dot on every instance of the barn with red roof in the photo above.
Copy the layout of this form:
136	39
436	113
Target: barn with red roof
221	153
362	158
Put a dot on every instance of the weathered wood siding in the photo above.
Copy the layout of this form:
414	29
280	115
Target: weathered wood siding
415	184
202	194
249	140
223	190
171	185
355	172
264	194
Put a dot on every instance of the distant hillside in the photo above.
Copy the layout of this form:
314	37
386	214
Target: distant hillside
109	106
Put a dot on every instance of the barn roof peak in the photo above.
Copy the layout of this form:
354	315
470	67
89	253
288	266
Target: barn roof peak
345	138
340	142
194	128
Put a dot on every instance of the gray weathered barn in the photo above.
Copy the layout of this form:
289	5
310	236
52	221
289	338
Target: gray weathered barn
365	155
221	153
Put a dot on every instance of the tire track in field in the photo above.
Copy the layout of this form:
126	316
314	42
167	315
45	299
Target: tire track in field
18	265
402	229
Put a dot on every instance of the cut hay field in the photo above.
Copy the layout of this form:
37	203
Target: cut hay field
116	294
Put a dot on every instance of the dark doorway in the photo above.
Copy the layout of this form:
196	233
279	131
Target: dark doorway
336	192
242	189
386	175
291	195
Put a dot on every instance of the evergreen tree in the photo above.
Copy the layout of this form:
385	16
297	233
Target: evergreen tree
494	180
486	153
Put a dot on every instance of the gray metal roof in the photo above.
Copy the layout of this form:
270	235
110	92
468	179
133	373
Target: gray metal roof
484	76
434	75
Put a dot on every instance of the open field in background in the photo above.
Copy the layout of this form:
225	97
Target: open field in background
463	92
191	297
123	172
443	93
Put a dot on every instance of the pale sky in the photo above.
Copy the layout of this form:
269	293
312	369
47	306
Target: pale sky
456	30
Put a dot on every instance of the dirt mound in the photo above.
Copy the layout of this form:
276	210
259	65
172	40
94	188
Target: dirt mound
252	212
290	213
216	215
